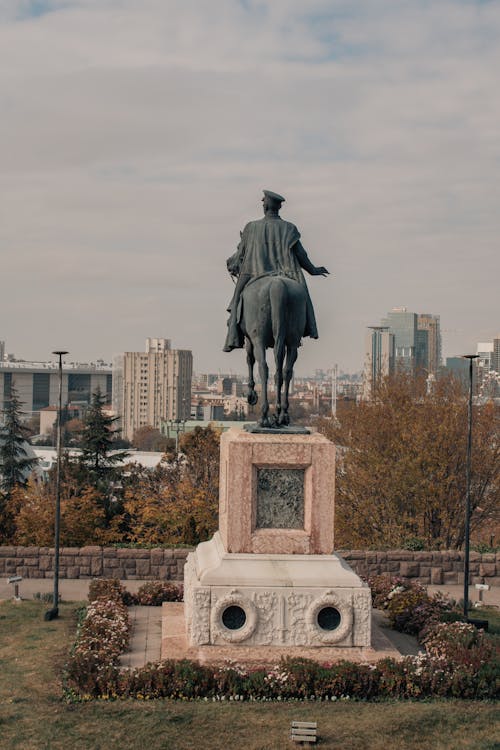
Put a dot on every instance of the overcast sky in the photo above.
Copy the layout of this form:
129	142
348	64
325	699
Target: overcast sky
137	135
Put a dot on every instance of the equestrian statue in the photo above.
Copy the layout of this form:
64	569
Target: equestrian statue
271	307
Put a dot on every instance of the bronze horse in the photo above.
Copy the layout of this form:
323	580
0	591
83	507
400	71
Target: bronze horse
273	316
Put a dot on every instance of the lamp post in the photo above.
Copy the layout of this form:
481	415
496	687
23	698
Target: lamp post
54	612
470	357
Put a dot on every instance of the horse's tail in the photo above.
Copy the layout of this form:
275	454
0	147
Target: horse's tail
278	295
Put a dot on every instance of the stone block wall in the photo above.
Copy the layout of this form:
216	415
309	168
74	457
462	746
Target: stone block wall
94	562
435	568
438	568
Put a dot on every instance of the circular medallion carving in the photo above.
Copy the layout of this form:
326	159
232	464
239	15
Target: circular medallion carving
329	618
234	617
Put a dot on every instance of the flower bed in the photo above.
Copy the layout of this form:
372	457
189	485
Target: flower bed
151	593
102	635
292	679
460	661
408	606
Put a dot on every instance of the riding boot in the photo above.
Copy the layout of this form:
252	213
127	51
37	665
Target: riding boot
234	338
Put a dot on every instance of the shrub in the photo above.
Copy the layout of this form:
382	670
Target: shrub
105	588
408	606
381	586
151	593
154	593
460	643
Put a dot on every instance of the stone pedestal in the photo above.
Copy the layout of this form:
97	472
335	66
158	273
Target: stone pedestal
269	577
276	493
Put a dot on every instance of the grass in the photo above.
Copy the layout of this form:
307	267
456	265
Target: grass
492	614
33	716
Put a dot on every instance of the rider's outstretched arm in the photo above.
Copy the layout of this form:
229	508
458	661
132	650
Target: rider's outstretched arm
306	264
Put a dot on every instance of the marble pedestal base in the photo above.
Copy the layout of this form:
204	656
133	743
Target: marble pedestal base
273	599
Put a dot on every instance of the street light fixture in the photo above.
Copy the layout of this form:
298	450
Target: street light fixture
54	612
470	357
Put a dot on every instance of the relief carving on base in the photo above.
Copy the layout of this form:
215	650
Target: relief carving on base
362	605
200	621
298	631
265	602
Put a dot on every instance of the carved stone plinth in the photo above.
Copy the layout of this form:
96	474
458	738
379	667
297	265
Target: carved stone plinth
273	600
269	577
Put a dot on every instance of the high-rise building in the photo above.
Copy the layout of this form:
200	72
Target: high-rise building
2	351
152	386
417	340
429	356
379	357
484	353
495	357
403	325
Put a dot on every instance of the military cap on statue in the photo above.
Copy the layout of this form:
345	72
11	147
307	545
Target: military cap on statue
273	196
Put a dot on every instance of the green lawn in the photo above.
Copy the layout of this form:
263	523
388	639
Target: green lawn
492	614
32	714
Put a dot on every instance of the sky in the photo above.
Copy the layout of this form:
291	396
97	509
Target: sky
136	137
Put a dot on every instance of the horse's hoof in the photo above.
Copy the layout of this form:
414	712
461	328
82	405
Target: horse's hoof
252	397
265	422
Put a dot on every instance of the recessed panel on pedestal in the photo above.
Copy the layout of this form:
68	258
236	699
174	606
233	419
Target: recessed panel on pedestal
279	498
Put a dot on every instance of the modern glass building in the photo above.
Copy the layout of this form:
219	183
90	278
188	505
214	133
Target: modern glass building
403	325
417	340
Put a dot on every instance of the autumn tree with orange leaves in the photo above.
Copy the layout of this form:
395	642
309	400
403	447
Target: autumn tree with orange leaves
401	466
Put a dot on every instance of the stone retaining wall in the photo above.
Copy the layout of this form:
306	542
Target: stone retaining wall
436	568
94	562
168	564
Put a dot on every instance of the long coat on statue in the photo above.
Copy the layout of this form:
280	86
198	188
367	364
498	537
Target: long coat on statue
270	246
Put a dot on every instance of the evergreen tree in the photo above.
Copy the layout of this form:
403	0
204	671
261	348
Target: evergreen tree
15	464
97	442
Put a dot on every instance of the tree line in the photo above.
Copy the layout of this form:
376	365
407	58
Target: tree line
400	477
106	498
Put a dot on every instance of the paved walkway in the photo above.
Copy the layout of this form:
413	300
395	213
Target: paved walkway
145	642
145	645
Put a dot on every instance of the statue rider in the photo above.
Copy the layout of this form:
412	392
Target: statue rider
268	246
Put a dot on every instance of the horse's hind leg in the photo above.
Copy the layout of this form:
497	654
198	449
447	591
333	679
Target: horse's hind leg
279	358
291	358
260	356
252	396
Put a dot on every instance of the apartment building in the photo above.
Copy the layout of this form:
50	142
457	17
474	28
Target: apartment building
152	386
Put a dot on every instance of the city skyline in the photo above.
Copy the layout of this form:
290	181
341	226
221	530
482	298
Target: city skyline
138	138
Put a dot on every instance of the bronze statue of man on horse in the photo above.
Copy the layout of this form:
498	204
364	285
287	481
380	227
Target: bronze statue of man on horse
271	306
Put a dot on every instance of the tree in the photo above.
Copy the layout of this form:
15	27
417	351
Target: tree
401	465
33	508
15	463
149	438
72	429
178	502
98	436
99	465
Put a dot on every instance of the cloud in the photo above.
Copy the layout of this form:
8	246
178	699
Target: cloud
136	137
